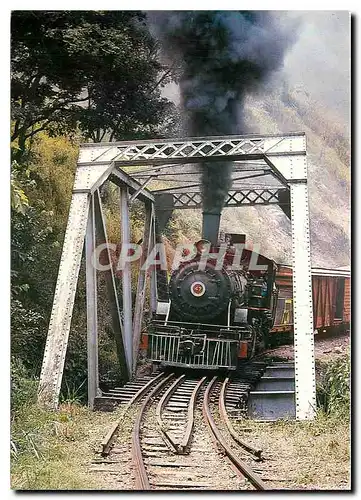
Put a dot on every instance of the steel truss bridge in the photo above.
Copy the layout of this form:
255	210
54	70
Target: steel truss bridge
267	170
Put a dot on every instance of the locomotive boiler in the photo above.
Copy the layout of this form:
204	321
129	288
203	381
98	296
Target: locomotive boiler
219	307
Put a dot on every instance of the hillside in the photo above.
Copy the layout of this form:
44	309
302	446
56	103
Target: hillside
329	182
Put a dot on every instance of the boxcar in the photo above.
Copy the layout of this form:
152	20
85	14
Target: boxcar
331	294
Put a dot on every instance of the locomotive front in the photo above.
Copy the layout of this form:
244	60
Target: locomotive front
203	295
215	315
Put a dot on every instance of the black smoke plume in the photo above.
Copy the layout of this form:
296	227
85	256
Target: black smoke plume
223	56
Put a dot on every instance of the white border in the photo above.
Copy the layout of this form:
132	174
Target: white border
352	6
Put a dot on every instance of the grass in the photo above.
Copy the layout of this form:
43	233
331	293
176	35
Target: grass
52	450
309	455
333	387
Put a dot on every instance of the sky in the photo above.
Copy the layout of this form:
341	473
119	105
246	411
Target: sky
320	60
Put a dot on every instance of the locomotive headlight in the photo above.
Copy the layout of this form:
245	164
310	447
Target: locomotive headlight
202	246
198	289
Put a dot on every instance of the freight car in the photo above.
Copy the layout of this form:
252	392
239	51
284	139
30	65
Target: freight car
331	289
215	316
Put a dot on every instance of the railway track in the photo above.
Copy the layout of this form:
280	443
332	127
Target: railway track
180	436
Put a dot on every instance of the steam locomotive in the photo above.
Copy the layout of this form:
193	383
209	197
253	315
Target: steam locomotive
215	316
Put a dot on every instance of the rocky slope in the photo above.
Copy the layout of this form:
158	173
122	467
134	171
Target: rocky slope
285	111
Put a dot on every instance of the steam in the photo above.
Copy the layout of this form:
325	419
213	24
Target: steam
223	56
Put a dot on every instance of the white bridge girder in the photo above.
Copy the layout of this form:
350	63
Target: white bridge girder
194	150
281	158
86	219
63	302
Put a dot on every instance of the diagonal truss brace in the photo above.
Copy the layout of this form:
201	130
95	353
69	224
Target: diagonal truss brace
235	198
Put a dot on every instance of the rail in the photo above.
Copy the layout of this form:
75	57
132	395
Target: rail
165	426
224	416
162	403
109	438
240	465
136	446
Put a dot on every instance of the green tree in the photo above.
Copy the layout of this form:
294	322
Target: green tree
98	70
29	231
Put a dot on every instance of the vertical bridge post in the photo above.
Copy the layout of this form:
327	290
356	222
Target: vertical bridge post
293	167
153	272
126	277
142	283
305	377
92	310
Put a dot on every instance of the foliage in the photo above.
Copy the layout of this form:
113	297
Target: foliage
321	120
28	328
72	394
33	249
74	383
23	387
30	244
183	227
333	390
96	69
37	232
52	169
19	200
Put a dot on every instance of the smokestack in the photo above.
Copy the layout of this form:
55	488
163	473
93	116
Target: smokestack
210	226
